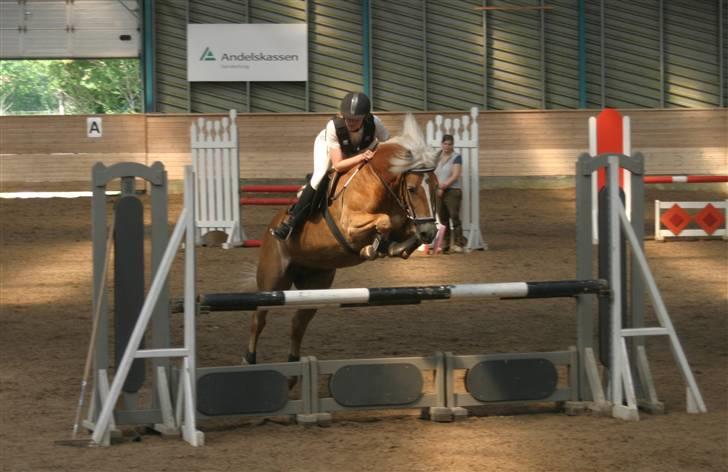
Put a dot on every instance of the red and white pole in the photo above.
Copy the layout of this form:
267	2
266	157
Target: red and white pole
686	179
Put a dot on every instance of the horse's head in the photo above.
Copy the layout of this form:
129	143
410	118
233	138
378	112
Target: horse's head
409	165
419	190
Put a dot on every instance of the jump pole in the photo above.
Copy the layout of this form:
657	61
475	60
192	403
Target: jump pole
361	297
267	201
685	179
270	188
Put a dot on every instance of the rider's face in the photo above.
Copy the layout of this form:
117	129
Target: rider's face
354	124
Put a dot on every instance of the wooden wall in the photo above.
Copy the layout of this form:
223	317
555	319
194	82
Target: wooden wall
41	151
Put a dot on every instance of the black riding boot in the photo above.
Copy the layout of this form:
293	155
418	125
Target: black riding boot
296	214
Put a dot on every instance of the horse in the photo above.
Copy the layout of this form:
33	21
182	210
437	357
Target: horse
382	208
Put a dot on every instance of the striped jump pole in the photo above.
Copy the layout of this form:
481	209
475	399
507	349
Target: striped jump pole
267	201
270	188
272	201
360	297
684	179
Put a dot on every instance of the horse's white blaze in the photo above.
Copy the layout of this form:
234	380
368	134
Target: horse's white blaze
426	188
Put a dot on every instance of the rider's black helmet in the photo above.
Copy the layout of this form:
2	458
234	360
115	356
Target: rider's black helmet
355	105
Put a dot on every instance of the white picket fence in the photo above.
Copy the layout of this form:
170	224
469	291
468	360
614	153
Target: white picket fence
465	133
216	163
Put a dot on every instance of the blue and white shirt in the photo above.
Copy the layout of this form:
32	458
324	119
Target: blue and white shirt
444	169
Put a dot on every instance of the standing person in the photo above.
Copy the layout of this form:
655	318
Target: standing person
347	140
450	194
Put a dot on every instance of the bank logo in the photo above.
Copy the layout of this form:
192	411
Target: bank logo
207	55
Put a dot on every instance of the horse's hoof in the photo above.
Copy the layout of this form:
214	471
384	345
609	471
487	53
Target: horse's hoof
292	381
249	358
395	252
368	252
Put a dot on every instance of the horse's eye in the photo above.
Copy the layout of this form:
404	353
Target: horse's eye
412	189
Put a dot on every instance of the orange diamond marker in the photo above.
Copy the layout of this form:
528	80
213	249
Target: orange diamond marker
710	219
675	219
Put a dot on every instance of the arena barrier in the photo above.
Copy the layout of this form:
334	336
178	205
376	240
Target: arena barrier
398	382
215	159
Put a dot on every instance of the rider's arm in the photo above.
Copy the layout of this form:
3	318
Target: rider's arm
336	157
342	165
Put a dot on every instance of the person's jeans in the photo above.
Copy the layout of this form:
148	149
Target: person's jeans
449	209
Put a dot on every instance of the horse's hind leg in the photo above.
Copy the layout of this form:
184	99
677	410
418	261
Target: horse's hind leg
257	323
299	323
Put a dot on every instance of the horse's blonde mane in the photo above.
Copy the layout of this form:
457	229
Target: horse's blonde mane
416	154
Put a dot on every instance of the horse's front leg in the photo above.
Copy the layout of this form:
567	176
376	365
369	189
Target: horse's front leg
403	249
375	249
257	323
362	226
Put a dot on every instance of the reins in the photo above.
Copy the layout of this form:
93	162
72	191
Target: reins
348	181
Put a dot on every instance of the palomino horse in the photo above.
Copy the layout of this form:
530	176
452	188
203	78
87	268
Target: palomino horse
382	208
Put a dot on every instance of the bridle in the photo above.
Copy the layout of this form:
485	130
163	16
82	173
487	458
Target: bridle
403	196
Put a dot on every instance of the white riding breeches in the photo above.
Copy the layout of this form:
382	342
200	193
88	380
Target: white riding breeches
321	159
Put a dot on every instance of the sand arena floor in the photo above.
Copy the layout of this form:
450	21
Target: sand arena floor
45	283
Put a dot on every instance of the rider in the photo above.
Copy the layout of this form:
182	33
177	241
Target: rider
348	140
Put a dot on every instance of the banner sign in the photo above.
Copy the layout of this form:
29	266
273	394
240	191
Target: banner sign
247	52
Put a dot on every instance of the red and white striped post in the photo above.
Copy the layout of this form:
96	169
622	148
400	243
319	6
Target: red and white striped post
609	132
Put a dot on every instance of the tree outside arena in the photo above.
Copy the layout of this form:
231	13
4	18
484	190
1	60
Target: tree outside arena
68	87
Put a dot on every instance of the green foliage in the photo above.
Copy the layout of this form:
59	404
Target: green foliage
70	86
27	86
